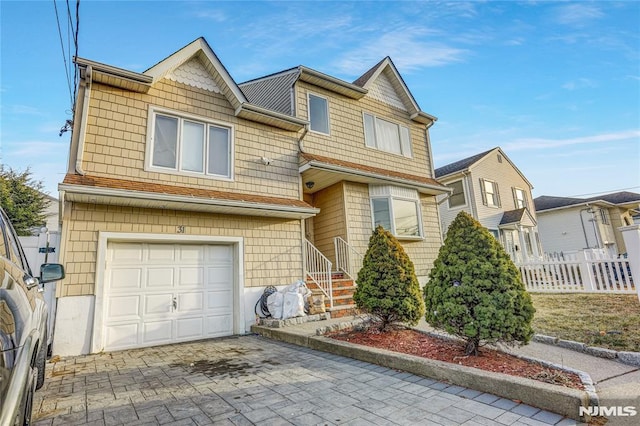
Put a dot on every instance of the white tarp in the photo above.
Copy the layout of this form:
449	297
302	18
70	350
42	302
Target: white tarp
288	302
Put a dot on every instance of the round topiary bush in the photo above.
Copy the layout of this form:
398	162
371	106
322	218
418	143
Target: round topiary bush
475	291
387	286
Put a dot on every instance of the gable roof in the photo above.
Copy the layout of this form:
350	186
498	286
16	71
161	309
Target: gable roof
387	67
200	50
518	216
460	165
624	198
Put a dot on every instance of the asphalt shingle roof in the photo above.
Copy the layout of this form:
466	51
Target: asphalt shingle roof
546	202
460	164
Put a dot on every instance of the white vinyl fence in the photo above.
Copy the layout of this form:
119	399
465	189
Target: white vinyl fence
44	248
581	272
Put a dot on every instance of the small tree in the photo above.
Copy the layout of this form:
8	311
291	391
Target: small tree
475	291
387	285
22	199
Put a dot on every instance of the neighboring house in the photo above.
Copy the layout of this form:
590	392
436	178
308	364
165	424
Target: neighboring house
490	188
187	193
572	224
51	214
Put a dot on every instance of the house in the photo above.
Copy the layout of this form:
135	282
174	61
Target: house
51	216
569	224
490	188
187	193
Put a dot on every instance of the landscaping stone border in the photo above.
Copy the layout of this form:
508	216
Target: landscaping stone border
629	358
558	399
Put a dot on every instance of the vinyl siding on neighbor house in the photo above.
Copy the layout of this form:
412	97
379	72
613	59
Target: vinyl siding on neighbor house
116	140
273	247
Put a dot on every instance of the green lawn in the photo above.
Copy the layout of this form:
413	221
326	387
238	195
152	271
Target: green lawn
603	320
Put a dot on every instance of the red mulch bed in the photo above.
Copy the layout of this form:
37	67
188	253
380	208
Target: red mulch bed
413	342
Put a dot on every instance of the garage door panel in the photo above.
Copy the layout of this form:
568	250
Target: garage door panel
191	253
157	332
122	336
143	280
162	253
125	279
190	328
190	303
157	304
222	299
219	275
121	308
160	277
219	325
191	277
128	253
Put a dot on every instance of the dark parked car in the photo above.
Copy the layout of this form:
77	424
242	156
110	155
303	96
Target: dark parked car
23	327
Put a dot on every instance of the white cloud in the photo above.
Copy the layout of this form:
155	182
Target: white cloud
581	83
211	15
410	48
577	14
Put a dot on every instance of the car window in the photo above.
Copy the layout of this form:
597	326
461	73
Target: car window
14	249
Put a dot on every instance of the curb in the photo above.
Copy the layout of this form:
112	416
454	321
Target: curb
554	398
629	358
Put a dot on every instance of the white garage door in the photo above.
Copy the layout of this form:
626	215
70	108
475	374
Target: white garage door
165	293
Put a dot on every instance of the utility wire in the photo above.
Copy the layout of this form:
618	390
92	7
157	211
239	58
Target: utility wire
605	192
64	57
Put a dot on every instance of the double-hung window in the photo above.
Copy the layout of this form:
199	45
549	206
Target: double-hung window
386	136
396	210
189	145
318	114
456	199
520	198
490	194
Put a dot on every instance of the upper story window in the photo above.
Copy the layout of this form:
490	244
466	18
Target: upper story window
396	210
490	194
386	135
520	198
189	145
318	114
456	199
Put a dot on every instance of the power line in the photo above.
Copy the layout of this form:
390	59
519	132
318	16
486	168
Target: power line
605	192
64	57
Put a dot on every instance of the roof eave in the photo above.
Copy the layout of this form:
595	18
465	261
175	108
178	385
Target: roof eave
331	83
89	194
114	76
273	118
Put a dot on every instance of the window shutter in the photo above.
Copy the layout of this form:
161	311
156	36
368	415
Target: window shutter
515	197
495	187
483	191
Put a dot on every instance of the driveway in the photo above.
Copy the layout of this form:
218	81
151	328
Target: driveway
252	380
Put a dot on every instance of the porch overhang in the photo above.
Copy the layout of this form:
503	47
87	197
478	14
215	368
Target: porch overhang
321	172
117	192
514	219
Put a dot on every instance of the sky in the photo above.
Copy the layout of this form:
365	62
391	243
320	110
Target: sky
555	84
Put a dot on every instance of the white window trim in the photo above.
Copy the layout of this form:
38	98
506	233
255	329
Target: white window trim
390	198
309	94
148	165
464	193
376	117
515	198
485	197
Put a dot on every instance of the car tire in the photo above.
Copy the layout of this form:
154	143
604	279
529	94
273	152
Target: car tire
28	406
41	360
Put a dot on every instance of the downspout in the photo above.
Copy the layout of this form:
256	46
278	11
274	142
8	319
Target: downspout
584	230
83	119
304	133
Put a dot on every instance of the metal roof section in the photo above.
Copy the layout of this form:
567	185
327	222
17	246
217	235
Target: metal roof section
274	92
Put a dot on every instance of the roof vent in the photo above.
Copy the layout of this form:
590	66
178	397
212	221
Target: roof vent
499	158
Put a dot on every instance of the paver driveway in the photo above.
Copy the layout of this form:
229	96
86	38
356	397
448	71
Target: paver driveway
253	380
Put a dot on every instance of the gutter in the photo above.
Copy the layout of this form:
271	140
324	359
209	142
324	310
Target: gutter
153	196
349	171
83	120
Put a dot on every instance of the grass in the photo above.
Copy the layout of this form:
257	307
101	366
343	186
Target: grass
609	321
